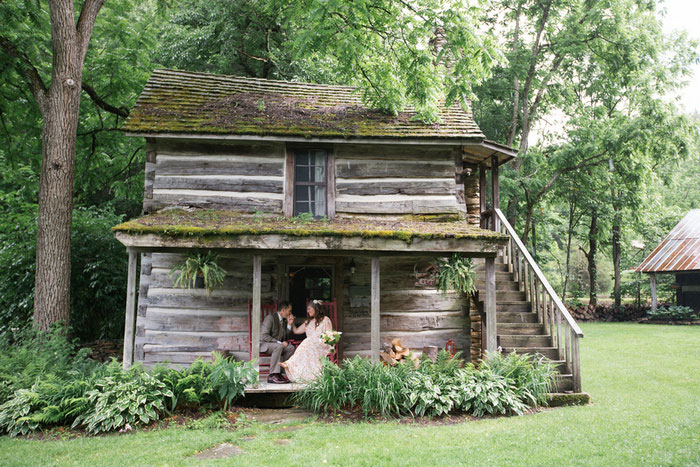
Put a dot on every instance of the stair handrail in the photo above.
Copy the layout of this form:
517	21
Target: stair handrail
538	272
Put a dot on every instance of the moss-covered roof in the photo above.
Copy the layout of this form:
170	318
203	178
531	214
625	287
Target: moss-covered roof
202	103
206	223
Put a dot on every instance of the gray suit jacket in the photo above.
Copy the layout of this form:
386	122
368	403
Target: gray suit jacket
272	331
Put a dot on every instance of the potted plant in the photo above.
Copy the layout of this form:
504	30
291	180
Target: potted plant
456	273
200	271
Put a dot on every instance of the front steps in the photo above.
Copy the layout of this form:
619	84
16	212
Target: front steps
519	329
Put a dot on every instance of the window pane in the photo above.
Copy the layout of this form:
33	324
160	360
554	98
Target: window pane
319	170
319	193
301	193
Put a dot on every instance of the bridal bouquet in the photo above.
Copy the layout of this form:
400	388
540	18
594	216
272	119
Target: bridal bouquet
331	338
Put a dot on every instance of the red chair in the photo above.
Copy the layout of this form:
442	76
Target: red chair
331	310
264	366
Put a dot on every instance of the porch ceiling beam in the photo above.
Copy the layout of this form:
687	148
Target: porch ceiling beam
335	245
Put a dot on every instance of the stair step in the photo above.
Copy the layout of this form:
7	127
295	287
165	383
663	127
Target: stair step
505	295
549	352
500	285
513	305
564	382
499	267
519	328
512	317
560	366
510	340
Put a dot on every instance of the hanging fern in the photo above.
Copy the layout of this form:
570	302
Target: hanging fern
456	274
185	274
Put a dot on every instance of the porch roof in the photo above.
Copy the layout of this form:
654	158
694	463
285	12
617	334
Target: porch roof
237	230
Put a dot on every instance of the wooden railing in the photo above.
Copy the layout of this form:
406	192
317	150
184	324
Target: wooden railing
551	311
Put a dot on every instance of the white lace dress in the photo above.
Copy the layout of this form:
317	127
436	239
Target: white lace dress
305	364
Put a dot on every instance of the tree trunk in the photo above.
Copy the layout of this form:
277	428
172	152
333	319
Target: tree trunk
591	255
52	281
616	254
59	108
569	234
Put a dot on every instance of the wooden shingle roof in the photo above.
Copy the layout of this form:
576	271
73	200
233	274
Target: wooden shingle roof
178	102
680	250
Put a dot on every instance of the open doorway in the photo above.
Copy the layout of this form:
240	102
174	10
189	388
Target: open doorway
309	283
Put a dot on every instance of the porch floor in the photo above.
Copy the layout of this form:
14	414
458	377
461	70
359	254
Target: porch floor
265	387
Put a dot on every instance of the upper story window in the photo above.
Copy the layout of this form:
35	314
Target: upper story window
311	182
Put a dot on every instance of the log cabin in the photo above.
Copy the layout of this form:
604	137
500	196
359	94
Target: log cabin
304	193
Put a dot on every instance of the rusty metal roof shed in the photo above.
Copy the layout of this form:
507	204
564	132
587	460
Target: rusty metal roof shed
679	251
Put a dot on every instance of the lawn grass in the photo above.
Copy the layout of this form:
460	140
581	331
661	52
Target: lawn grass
644	381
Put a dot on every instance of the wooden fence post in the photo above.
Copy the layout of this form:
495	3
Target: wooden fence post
129	319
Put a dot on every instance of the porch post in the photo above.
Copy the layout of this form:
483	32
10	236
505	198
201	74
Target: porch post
490	305
129	321
255	315
374	311
652	286
482	195
495	193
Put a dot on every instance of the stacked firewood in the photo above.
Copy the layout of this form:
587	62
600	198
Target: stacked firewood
395	353
104	350
607	313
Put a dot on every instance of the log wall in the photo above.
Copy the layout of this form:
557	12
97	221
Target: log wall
179	325
370	179
418	315
240	177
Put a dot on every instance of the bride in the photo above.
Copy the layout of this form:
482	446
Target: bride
305	364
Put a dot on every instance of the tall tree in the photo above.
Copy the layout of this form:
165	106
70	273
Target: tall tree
59	103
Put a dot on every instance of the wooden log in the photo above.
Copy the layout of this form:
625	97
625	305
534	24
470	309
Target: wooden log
396	186
387	152
197	340
199	148
171	165
348	168
410	322
130	315
215	200
161	319
220	183
386	205
430	352
413	340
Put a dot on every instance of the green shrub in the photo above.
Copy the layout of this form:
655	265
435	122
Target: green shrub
531	376
15	414
190	386
673	313
485	392
229	378
38	355
502	385
456	273
122	397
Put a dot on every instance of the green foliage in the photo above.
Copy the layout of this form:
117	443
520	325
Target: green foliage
489	393
37	356
190	386
229	378
456	274
503	385
14	414
201	265
532	377
673	313
123	397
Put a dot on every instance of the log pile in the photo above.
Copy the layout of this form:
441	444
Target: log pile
393	354
607	313
104	350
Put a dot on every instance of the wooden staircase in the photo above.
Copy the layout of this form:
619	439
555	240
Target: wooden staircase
519	327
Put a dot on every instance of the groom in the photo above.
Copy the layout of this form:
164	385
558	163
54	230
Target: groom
274	335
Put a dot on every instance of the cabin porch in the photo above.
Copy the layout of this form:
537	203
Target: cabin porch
382	286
